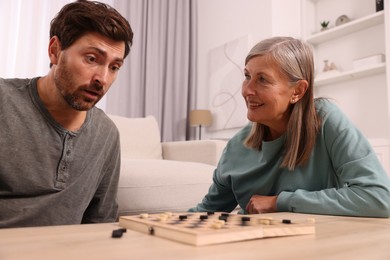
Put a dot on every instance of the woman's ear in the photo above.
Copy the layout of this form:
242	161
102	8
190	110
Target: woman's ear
300	89
54	50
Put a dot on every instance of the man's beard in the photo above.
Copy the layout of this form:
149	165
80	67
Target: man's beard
74	100
64	78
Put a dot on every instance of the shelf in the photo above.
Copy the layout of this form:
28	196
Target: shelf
350	27
348	75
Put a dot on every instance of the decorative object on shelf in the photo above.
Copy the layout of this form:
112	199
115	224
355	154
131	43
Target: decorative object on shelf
342	20
324	25
361	27
330	70
369	61
200	118
329	66
379	5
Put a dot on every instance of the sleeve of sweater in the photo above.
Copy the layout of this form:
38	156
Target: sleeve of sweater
220	197
363	186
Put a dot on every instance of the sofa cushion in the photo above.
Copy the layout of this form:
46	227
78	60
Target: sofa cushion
151	186
140	137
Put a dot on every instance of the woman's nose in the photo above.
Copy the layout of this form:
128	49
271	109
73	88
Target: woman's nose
248	88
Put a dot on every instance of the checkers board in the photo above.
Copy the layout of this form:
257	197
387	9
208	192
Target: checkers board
202	228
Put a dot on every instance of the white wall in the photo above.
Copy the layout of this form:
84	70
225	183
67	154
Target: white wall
222	21
286	18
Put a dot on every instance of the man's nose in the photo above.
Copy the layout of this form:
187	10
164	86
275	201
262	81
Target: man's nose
101	76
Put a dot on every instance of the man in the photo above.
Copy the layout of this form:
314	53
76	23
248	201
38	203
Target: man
59	155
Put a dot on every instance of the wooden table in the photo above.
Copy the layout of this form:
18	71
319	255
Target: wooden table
335	238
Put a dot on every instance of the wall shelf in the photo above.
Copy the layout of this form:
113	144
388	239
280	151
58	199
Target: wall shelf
322	80
350	27
356	90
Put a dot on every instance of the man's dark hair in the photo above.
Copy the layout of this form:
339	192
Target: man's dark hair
78	18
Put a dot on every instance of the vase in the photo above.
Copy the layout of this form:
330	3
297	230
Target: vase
379	5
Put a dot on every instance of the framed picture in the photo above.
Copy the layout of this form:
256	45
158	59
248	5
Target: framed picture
226	73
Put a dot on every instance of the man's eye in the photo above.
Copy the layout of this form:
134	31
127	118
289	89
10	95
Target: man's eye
90	59
247	77
115	68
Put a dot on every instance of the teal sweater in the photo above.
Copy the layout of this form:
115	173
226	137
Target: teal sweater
342	177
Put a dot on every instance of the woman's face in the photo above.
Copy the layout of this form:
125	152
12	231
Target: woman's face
268	94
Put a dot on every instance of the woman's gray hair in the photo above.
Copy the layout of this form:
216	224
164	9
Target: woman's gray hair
293	56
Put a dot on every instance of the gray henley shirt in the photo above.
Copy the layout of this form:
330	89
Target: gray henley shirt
49	175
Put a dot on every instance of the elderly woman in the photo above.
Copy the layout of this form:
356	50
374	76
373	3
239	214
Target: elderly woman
298	154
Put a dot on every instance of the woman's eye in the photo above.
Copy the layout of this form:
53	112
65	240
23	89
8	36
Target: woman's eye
247	77
262	79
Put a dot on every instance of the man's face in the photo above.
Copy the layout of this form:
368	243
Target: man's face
86	70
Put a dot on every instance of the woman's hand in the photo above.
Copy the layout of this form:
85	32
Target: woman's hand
261	204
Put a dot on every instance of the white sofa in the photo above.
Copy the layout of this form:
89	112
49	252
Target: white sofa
157	177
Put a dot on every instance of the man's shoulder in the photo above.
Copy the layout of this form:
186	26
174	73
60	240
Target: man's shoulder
13	91
13	83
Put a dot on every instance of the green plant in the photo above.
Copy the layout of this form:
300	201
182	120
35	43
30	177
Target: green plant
324	24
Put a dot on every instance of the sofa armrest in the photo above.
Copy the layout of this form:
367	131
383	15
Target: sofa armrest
203	151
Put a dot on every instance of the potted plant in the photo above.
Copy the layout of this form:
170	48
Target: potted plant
324	25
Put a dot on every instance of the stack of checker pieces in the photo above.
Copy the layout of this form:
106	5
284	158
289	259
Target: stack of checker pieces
210	228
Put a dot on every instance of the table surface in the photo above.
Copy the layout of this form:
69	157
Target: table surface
335	238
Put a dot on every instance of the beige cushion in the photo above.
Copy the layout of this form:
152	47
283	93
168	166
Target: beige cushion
151	186
140	137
